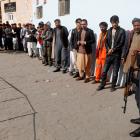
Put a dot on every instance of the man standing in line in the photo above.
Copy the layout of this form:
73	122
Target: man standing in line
101	52
47	44
114	43
84	46
20	45
31	40
73	49
60	46
131	58
1	33
22	37
8	37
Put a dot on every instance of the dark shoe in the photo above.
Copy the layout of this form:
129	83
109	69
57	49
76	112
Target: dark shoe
76	75
101	87
31	56
50	64
135	121
112	89
71	73
79	78
57	70
135	133
95	82
45	64
39	58
34	56
64	71
87	80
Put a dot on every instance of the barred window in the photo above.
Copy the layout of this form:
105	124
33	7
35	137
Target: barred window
39	12
37	2
10	17
45	1
64	7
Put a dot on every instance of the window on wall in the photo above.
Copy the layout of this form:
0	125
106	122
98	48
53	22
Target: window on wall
67	6
45	1
10	17
39	12
64	7
37	2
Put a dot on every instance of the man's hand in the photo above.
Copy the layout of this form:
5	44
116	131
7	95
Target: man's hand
122	61
135	52
82	43
110	51
78	43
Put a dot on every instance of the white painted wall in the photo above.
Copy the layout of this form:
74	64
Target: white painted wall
94	11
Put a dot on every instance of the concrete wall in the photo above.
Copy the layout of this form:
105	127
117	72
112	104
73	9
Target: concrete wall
23	12
93	10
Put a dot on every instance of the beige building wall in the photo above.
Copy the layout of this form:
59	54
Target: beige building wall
23	12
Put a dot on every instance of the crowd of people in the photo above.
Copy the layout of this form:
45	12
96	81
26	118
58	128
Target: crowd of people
72	51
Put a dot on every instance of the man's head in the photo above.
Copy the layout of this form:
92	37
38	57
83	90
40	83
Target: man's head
23	25
19	25
57	23
0	26
27	26
15	25
30	26
41	24
7	22
114	21
46	26
136	24
9	26
33	26
84	23
78	22
103	26
3	25
49	24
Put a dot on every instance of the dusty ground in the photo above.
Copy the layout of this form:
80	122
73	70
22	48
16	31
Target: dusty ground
66	109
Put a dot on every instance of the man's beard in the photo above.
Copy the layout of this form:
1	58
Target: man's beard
138	32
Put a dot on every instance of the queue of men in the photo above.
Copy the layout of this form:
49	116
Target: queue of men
72	51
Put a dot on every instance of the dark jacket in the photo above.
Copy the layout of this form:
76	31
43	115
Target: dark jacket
89	39
1	32
31	35
118	41
129	37
47	37
8	33
73	39
64	36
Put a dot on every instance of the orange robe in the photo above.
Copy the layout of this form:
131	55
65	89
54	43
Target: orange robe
100	56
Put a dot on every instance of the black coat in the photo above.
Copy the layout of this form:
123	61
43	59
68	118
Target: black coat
129	37
73	39
89	39
63	35
119	41
1	32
